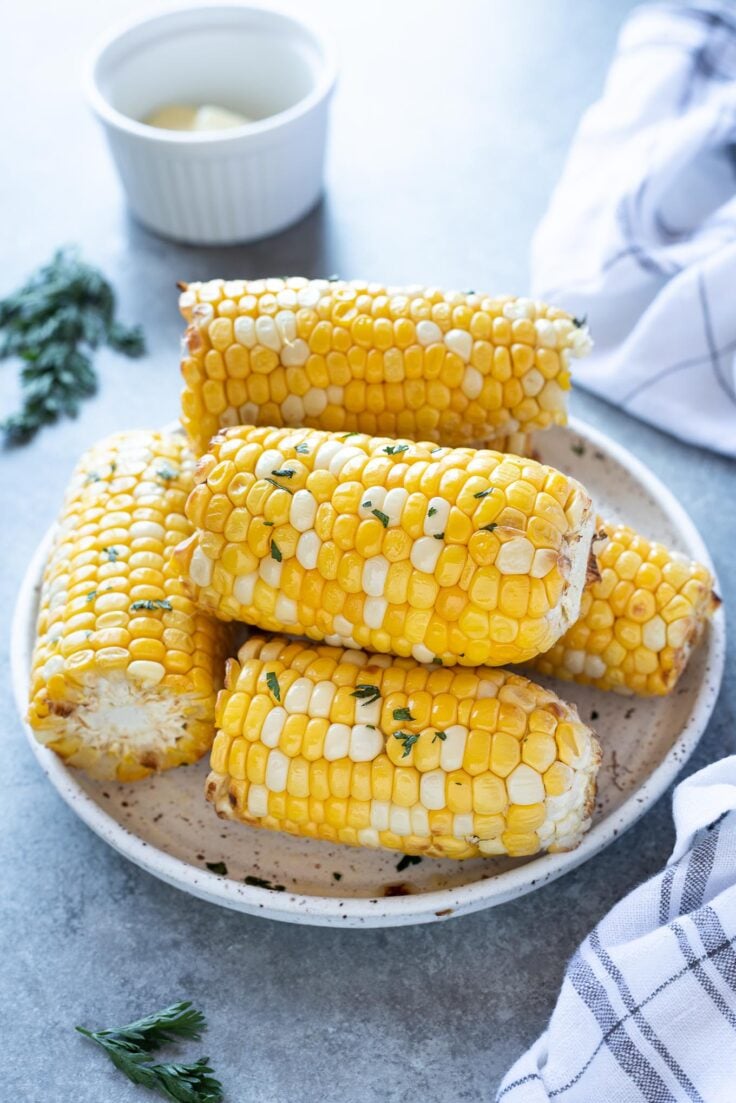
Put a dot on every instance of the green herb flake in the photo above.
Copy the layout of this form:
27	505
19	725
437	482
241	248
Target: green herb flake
437	661
437	449
489	528
111	553
395	449
442	736
366	693
263	883
578	449
408	739
403	714
580	322
431	511
439	536
484	493
217	867
337	876
382	517
91	595
167	474
268	524
54	324
93	477
302	449
352	433
406	861
278	485
273	684
163	603
366	505
284	473
276	552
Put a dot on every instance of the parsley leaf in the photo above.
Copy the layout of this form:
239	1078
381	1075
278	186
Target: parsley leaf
408	739
366	694
53	324
111	553
431	511
395	449
91	595
217	867
302	448
489	528
273	684
276	552
484	493
278	485
284	473
151	605
442	736
382	517
439	536
167	474
406	861
402	714
262	883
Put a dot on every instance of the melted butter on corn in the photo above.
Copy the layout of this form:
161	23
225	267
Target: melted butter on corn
125	669
375	751
446	555
410	362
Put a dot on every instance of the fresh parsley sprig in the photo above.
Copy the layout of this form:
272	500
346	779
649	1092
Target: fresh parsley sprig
129	1047
53	323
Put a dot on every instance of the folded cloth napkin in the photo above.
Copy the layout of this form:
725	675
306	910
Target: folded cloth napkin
640	234
647	1009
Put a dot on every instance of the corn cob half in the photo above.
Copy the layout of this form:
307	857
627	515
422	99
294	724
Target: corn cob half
411	362
638	622
448	555
375	751
125	669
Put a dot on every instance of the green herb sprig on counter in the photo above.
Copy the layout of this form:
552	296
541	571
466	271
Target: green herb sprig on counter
53	323
129	1048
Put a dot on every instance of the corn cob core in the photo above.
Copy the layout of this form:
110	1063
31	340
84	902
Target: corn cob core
447	555
411	362
125	669
639	622
376	751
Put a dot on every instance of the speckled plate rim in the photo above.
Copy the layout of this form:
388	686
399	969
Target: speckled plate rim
425	907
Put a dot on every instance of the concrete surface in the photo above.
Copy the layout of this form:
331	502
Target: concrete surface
449	129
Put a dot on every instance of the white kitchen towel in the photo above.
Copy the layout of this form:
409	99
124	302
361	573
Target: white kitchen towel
640	234
647	1009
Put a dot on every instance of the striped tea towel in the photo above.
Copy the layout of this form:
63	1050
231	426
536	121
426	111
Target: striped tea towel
647	1009
640	234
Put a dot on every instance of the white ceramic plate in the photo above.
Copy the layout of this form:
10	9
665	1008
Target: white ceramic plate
164	825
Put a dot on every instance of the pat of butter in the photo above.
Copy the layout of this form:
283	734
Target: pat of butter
183	117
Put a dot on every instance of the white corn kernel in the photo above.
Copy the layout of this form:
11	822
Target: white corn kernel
277	770
337	742
303	510
460	342
243	588
425	552
366	743
307	549
273	726
432	790
258	800
452	749
428	333
524	785
147	672
320	702
375	572
200	568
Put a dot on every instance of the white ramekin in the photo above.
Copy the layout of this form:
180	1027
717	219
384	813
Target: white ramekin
224	186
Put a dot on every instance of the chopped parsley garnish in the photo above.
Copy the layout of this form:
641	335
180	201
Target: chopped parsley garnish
93	477
439	536
382	517
396	449
167	474
578	449
111	553
437	660
442	736
489	528
278	485
366	694
431	511
367	505
262	883
406	861
337	876
276	552
268	524
302	449
437	449
273	684
217	867
334	278
151	605
484	493
403	714
352	433
91	595
580	322
408	739
284	473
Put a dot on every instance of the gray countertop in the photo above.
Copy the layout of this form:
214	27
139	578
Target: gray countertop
449	129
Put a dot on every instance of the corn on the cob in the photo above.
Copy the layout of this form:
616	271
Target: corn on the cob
375	751
410	362
125	669
639	622
449	555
